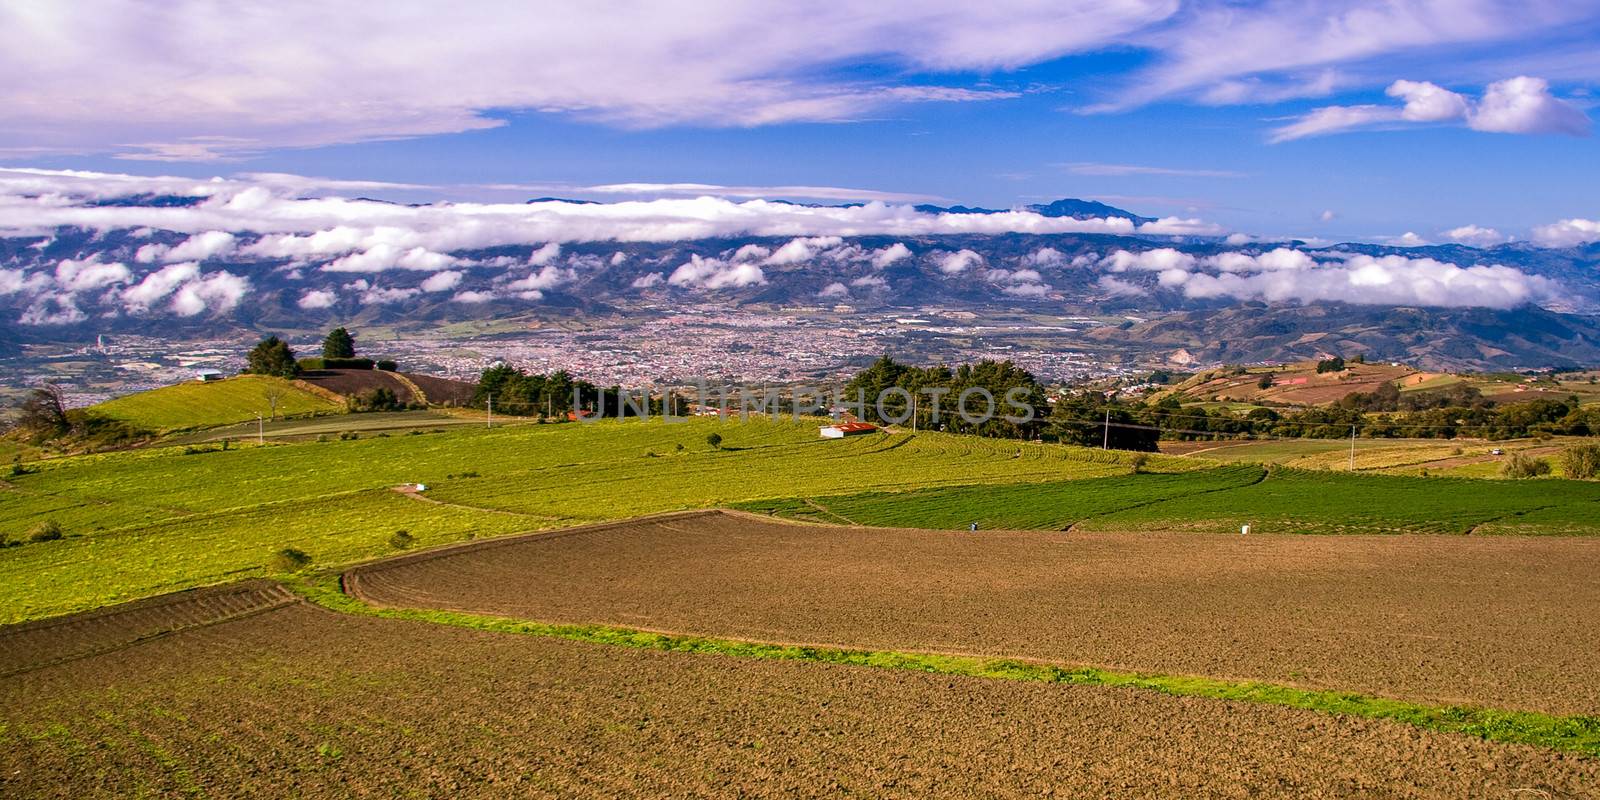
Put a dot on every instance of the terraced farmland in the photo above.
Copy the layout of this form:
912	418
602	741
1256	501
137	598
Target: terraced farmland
296	701
1401	617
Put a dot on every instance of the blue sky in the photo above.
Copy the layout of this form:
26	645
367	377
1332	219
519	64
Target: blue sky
1357	120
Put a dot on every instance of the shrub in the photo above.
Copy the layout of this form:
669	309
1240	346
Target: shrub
346	436
310	363
1265	382
1138	461
289	560
1524	466
402	540
47	531
1581	461
387	365
347	363
715	440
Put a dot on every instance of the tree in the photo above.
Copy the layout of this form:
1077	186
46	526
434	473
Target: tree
44	413
272	395
339	344
273	357
1524	466
1335	364
1581	462
715	440
1265	382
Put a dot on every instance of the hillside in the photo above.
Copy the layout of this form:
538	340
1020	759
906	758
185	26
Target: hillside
193	405
408	388
1297	384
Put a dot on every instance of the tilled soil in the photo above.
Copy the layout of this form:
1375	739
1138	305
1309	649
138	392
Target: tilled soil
1495	621
300	702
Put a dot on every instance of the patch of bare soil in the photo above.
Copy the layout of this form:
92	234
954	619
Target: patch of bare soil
1499	622
301	702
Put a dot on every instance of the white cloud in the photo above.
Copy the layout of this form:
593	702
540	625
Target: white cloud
1148	260
1045	257
648	280
473	297
375	236
1514	105
548	277
959	262
752	252
441	281
217	292
1408	239
1281	258
545	255
318	298
804	249
1567	233
1525	105
835	289
1389	280
158	285
201	246
1298	43
1116	287
1327	216
381	257
194	80
712	273
870	282
78	276
17	281
888	256
1475	236
719	190
618	258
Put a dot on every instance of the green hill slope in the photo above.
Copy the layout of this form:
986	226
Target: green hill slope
187	406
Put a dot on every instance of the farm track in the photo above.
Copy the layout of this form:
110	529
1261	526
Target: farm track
1501	622
296	701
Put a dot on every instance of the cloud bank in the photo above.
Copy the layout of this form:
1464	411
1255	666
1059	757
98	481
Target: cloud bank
1514	105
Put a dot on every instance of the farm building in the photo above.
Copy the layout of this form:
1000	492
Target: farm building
208	375
843	429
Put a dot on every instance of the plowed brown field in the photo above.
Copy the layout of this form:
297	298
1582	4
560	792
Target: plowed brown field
294	701
1502	622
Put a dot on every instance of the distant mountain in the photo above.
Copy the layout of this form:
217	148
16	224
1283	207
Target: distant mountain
1067	207
1434	339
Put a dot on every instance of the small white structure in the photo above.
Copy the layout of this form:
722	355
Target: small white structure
208	375
1244	530
843	429
422	487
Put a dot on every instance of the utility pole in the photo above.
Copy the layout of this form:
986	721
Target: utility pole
491	410
1105	438
913	412
1352	448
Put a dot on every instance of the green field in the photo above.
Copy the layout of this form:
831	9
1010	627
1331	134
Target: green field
1307	501
1033	506
192	405
147	521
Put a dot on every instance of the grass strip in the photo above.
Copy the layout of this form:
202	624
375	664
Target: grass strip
1580	734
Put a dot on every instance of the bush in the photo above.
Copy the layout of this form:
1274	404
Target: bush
1581	462
387	365
379	399
1523	466
402	540
310	363
47	531
1138	462
715	440
1265	382
289	560
347	436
